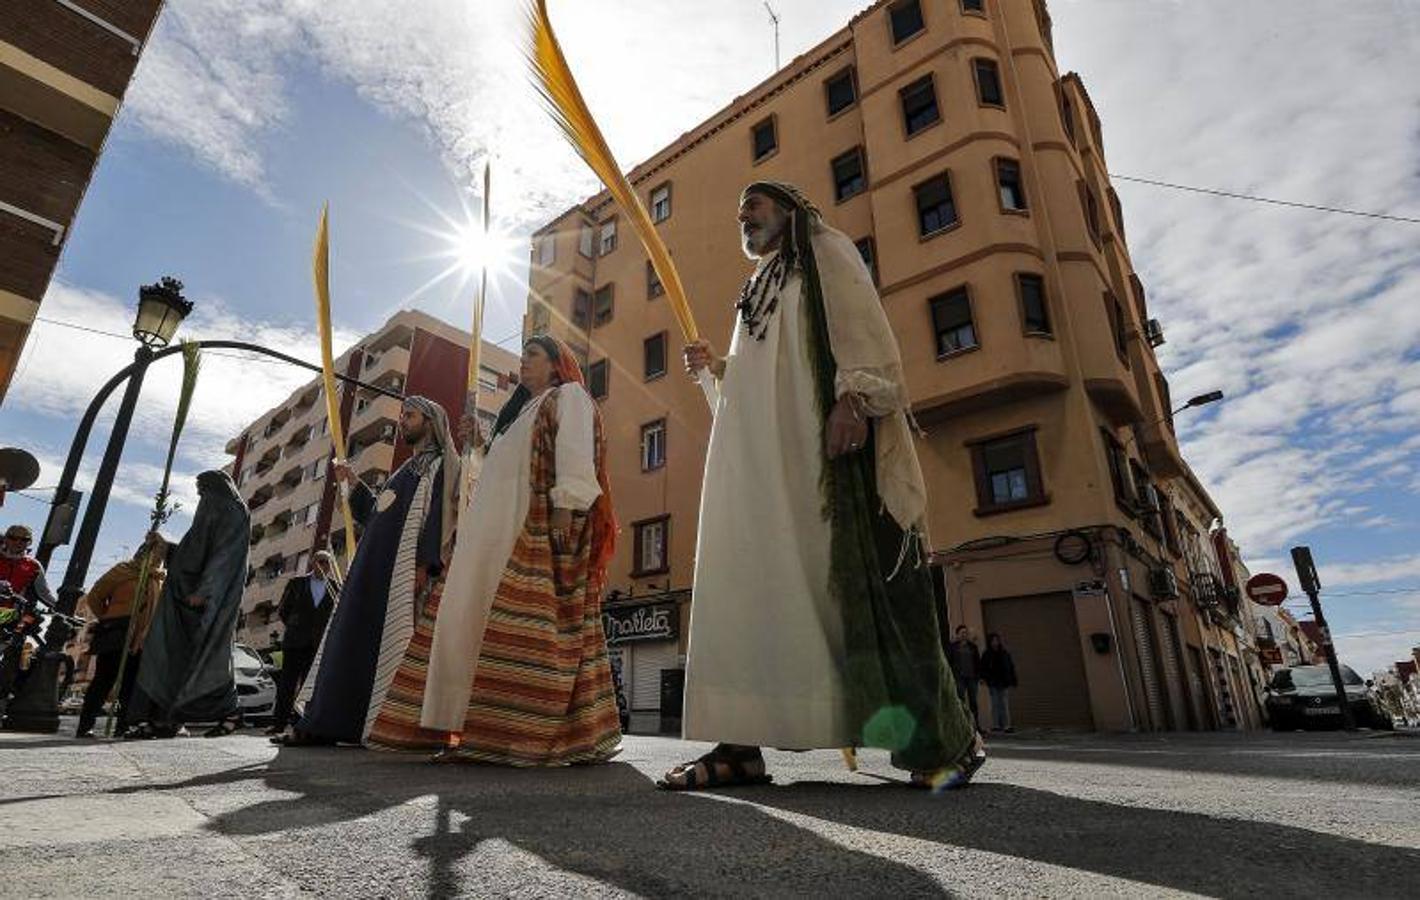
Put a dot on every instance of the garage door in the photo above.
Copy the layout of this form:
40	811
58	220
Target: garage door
647	661
1044	640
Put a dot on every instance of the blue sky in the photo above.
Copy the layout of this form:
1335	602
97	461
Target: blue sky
247	114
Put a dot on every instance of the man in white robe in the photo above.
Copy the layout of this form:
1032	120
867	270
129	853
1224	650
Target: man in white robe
813	623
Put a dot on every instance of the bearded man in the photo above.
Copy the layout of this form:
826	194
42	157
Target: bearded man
812	522
408	535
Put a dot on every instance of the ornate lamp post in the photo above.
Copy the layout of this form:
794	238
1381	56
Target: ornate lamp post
161	309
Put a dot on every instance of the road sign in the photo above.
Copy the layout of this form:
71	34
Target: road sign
1266	590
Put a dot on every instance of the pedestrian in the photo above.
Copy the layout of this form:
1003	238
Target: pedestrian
519	662
811	527
123	624
408	536
186	674
305	608
998	670
965	658
21	571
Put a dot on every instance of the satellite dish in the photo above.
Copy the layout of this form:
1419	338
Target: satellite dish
18	470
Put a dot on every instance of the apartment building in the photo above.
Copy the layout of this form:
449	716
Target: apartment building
64	68
941	136
280	461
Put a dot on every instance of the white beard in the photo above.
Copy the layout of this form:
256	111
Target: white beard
754	244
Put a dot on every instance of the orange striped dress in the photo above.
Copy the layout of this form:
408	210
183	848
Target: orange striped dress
542	691
396	726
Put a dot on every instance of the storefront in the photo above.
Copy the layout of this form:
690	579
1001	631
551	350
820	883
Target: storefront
644	642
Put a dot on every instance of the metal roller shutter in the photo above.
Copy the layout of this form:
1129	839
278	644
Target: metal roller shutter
647	660
1173	671
1043	638
1149	663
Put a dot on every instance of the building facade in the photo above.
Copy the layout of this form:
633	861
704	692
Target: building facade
64	68
280	461
939	135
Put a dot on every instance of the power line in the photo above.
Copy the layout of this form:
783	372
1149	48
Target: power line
1255	199
127	337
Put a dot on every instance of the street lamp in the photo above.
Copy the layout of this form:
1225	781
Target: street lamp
161	309
1200	400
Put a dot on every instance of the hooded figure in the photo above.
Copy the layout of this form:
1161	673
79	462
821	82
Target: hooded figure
518	662
186	674
408	534
811	526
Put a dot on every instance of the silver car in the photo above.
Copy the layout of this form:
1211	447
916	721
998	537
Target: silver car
256	690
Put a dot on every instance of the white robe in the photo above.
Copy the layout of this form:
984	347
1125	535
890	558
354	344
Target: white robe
765	636
489	526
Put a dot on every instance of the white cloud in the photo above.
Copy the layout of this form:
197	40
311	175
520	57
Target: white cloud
1375	650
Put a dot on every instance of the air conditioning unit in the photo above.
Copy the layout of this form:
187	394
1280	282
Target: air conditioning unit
387	433
1163	583
1154	333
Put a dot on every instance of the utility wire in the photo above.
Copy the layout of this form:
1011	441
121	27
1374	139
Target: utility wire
1255	199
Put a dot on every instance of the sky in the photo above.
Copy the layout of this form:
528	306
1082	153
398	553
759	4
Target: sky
246	115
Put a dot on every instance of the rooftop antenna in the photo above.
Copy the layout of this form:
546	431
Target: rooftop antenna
774	17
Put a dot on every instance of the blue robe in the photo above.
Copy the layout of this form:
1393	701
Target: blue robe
350	654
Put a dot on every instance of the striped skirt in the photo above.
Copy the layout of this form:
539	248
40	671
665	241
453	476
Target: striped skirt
396	727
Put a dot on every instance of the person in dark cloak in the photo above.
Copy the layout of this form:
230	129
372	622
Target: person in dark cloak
186	674
407	540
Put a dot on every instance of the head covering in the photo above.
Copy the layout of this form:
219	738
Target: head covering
331	568
20	533
152	541
218	485
449	461
565	369
760	298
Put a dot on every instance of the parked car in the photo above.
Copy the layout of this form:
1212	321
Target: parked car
256	689
1305	697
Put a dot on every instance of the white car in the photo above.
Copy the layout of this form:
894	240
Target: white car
256	690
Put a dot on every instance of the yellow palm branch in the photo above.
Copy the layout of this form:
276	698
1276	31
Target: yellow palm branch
321	270
569	110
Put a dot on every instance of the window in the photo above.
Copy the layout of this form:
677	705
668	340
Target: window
1118	471
584	241
653	445
661	203
608	242
764	139
919	105
597	383
1118	324
654	288
547	250
1067	114
988	83
602	306
936	211
1010	189
316	471
850	176
974	6
1161	384
1007	471
1091	208
1141	298
312	513
541	317
655	356
1035	314
1148	497
1170	525
651	556
841	91
581	308
1118	209
951	322
303	562
868	250
906	20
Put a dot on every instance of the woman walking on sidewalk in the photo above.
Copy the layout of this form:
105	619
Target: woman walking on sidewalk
998	670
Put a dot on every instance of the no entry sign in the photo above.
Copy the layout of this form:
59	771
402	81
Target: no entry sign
1266	590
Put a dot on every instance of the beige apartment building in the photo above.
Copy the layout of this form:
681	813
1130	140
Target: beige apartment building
280	460
940	135
64	68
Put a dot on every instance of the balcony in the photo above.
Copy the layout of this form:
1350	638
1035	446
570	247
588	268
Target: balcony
382	368
299	438
373	410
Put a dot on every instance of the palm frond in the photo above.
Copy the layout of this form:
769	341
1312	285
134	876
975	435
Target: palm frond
569	110
320	267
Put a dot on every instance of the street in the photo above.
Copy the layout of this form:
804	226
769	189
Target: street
1223	815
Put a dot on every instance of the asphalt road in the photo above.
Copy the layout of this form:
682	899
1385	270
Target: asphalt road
1224	815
